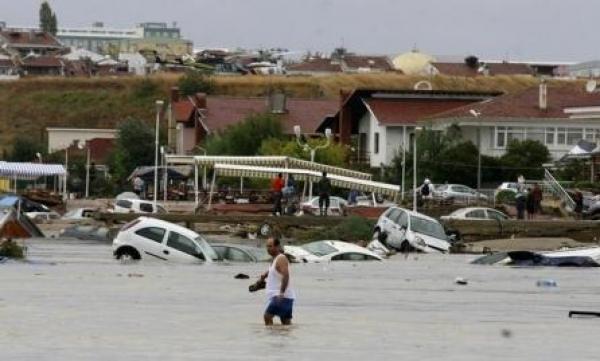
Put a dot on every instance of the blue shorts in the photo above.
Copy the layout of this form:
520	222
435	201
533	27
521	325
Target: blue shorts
280	307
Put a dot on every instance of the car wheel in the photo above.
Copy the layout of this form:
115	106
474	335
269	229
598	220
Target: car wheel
405	247
128	254
265	230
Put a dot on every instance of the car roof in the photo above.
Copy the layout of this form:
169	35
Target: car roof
171	226
417	214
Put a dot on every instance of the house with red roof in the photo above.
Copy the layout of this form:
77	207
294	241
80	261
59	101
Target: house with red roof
24	42
557	115
379	124
195	117
346	64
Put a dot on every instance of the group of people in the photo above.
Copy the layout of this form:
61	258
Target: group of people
529	200
281	188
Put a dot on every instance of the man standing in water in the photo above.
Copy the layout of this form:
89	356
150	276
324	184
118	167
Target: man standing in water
280	295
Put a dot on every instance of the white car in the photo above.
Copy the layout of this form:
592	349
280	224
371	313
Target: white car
507	186
406	230
39	217
476	213
150	238
79	214
326	251
337	206
458	193
137	206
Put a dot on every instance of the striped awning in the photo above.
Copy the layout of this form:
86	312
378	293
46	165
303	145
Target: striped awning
30	170
270	161
233	170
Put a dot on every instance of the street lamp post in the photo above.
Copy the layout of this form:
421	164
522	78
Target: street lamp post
313	151
203	168
417	129
159	104
476	114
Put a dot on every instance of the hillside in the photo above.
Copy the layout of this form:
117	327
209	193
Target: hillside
28	106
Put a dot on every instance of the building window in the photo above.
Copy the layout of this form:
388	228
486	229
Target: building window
515	133
589	135
574	135
376	144
500	137
537	134
561	137
550	136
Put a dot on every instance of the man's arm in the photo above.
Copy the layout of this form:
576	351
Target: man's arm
283	268
264	276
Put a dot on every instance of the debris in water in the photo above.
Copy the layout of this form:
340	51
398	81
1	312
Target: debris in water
461	281
241	276
135	275
506	333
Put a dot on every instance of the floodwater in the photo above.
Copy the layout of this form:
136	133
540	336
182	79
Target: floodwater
72	301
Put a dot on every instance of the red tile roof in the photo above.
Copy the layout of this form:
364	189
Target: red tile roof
43	62
100	149
29	38
183	110
6	63
525	104
381	63
462	69
308	113
320	65
410	111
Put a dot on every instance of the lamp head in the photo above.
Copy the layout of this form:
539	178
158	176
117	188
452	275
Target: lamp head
81	145
474	113
328	133
159	104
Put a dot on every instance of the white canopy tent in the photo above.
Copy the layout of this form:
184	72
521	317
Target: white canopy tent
32	171
233	170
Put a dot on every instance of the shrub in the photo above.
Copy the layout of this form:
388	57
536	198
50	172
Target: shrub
11	249
194	82
351	229
506	197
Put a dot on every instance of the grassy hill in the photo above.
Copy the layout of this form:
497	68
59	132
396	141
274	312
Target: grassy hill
28	106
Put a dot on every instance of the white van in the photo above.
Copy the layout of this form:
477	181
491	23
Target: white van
137	206
406	230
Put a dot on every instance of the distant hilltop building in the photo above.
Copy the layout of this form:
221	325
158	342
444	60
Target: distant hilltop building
151	37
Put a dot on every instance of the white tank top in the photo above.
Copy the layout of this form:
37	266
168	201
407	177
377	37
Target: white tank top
274	278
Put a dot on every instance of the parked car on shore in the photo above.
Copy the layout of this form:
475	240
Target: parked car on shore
476	213
156	239
326	251
240	253
137	206
458	193
507	186
406	231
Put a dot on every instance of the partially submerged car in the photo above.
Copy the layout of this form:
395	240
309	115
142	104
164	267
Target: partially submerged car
240	253
79	214
582	257
406	231
326	251
137	206
156	239
476	213
337	206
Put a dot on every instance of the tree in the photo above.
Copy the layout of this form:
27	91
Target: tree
48	20
25	149
525	158
336	154
134	147
195	82
246	137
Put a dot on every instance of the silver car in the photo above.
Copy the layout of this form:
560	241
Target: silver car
458	193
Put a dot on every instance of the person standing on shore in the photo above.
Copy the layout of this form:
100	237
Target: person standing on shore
530	202
537	198
280	294
276	188
324	192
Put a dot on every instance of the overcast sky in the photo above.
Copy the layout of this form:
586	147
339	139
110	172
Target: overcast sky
517	29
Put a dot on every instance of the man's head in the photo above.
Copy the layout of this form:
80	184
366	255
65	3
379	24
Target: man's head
280	175
324	174
274	246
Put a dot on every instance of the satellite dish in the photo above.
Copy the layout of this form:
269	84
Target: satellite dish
423	85
591	85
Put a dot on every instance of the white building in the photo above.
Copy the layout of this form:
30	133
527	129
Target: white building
61	138
136	63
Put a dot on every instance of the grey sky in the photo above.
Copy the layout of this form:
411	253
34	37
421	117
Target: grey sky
519	29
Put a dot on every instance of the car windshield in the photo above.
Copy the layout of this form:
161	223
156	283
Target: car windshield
427	227
207	250
319	248
260	254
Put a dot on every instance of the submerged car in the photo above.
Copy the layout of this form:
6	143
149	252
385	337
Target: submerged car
79	214
406	231
240	253
156	239
337	206
137	206
582	257
476	213
325	251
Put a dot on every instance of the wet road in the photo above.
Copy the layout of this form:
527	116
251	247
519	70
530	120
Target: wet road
72	301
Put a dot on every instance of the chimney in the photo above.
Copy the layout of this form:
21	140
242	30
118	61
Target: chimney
277	102
543	101
200	100
174	94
